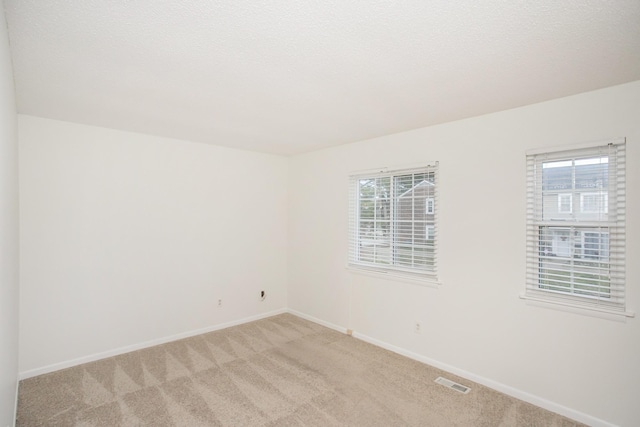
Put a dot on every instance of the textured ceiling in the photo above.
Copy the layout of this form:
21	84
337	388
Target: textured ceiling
289	77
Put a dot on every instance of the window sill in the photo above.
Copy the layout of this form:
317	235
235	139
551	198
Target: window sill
394	275
568	306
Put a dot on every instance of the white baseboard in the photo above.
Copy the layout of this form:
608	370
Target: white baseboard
503	388
15	404
126	349
318	321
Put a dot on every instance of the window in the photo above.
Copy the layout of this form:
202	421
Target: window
595	244
594	202
565	203
430	232
392	222
430	206
577	258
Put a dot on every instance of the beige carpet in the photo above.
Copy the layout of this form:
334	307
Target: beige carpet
280	371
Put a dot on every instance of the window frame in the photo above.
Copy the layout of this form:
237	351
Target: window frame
601	289
604	200
423	268
430	232
429	205
560	196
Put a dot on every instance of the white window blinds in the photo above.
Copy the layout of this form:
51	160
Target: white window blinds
576	226
393	221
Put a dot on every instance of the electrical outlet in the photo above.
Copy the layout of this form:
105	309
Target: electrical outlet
219	303
417	328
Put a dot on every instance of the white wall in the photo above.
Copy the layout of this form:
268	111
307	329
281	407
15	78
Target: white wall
475	323
9	242
127	238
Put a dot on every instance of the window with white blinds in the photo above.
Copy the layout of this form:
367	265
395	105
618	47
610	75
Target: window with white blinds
393	222
576	226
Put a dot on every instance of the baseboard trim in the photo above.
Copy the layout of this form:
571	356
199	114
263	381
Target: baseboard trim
318	321
127	349
503	388
15	404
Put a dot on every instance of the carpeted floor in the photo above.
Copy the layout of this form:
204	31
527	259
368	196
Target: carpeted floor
280	371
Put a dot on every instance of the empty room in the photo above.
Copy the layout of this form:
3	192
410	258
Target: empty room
336	213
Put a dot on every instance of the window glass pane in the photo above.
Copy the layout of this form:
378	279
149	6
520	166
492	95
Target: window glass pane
595	245
404	233
383	208
594	203
557	186
565	203
367	209
367	189
366	231
574	260
430	234
592	173
430	206
557	175
403	183
586	178
555	242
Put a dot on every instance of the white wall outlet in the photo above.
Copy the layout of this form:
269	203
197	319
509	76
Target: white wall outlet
417	328
219	303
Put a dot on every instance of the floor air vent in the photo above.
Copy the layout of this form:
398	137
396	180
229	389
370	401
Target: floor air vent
457	387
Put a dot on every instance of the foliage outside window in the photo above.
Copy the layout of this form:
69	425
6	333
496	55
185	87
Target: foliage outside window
577	256
393	226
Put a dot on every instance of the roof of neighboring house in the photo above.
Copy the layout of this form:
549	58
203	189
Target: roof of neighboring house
586	177
421	184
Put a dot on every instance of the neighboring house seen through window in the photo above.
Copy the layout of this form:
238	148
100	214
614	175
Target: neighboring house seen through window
392	222
430	205
570	255
594	202
565	203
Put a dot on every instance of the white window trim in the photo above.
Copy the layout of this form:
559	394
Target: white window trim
413	279
597	194
583	239
429	206
429	230
397	273
560	196
615	226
